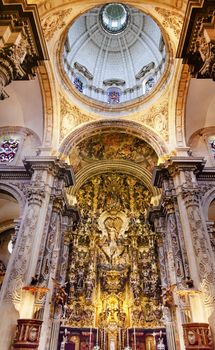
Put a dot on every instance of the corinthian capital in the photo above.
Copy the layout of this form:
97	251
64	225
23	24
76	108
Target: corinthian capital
36	195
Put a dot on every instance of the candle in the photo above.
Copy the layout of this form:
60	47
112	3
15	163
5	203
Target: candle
119	339
127	338
97	336
135	343
90	338
104	340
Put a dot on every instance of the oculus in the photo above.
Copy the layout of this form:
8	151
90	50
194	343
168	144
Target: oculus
114	18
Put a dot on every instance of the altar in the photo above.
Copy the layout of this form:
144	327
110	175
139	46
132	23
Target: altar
95	339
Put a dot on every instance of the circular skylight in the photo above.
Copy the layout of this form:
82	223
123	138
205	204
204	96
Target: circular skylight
114	17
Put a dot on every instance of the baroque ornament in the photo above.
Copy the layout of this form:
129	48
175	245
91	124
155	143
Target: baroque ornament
116	146
113	272
54	22
171	19
157	118
71	117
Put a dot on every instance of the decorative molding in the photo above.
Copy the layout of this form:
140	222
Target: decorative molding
82	69
71	116
54	22
171	19
180	104
157	118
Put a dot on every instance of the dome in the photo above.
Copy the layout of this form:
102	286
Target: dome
114	54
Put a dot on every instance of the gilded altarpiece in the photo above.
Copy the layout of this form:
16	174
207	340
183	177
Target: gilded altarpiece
113	275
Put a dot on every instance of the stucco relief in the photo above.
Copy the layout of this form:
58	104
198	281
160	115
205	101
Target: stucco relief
71	117
116	146
157	118
171	19
54	22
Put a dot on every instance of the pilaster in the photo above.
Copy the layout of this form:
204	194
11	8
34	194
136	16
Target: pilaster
200	290
48	178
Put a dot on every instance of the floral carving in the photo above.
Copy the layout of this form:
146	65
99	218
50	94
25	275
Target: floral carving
157	118
171	19
113	247
71	117
54	22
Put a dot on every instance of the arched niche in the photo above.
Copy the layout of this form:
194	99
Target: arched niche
9	213
202	144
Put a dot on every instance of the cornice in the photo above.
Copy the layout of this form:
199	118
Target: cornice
174	165
14	173
31	13
52	165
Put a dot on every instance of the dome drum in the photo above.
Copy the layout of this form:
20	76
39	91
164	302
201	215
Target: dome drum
114	50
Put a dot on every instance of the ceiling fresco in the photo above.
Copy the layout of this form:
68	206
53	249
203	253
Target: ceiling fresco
112	146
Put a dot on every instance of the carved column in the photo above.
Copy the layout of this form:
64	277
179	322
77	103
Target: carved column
54	267
158	218
23	263
200	255
56	313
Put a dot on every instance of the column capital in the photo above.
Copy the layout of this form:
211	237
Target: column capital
52	165
175	165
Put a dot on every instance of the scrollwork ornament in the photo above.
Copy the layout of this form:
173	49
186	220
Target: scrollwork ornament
54	22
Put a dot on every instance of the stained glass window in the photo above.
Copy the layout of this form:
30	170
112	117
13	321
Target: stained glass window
113	95
149	84
78	84
8	149
212	145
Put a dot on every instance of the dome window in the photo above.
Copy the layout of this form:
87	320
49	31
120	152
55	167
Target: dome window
78	84
113	95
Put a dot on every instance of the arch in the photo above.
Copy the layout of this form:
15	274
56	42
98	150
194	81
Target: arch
50	104
121	126
15	193
124	167
206	201
199	144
